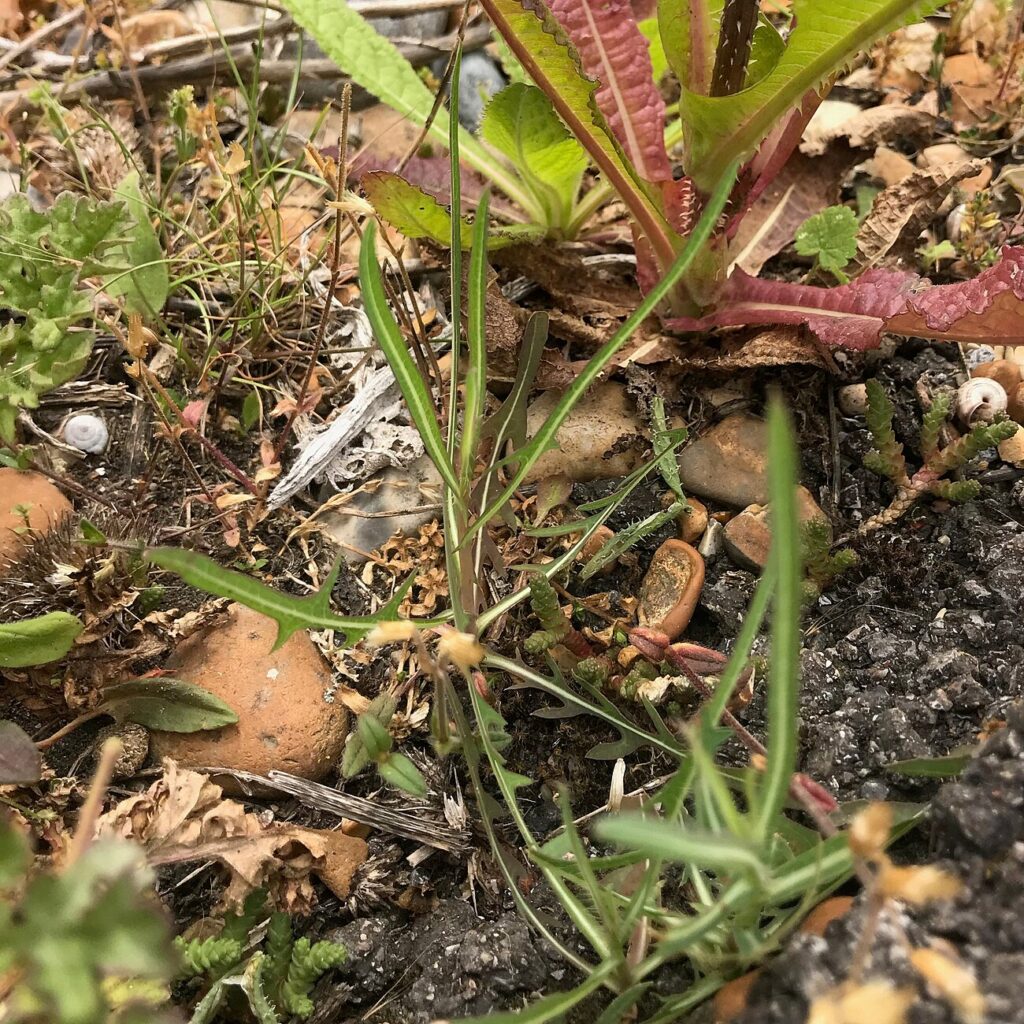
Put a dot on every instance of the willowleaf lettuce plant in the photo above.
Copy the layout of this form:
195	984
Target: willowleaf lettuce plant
747	92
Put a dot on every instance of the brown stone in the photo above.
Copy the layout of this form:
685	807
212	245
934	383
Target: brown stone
825	913
285	720
748	536
889	166
1002	371
43	504
951	156
671	588
1012	449
604	415
693	521
728	463
595	542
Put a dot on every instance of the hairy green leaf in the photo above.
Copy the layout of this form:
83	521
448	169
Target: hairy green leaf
146	283
289	612
722	129
376	64
831	237
521	123
37	641
171	705
414	388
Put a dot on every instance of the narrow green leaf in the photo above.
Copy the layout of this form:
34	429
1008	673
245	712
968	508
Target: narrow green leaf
400	772
784	666
545	436
377	65
723	129
171	705
289	612
414	389
521	123
147	283
682	844
945	767
20	763
37	641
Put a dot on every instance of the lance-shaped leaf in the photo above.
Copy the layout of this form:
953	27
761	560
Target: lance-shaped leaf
689	33
168	704
521	123
37	641
722	129
20	763
376	64
988	308
614	53
541	46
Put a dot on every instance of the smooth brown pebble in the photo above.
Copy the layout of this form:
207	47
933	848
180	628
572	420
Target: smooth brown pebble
748	536
693	521
825	913
1015	404
728	463
671	588
1002	371
45	504
284	720
1012	449
731	999
595	542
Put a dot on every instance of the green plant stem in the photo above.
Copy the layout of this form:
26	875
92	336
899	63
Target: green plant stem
545	437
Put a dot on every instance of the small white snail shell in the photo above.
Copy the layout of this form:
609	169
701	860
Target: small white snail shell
87	433
979	400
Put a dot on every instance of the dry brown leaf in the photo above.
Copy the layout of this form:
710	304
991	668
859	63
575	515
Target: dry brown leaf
890	232
184	816
905	58
874	126
746	350
973	83
805	187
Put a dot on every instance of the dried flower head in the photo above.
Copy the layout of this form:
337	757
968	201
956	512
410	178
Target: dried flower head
462	650
869	831
874	1001
953	981
394	632
918	884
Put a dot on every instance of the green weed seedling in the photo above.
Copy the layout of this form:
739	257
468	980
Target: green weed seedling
84	945
887	459
271	977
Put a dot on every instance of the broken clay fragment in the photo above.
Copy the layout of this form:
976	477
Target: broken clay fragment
286	720
671	588
693	521
30	505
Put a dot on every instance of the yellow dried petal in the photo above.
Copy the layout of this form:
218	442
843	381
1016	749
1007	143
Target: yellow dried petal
236	161
874	1002
869	831
391	633
460	649
917	885
953	981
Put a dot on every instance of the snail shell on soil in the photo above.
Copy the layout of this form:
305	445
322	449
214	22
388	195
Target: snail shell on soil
87	433
979	400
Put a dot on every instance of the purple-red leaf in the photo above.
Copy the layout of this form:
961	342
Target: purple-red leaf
988	308
614	53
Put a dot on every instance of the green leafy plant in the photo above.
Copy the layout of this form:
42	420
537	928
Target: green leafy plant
831	238
46	259
887	458
274	979
823	564
37	641
82	946
371	743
